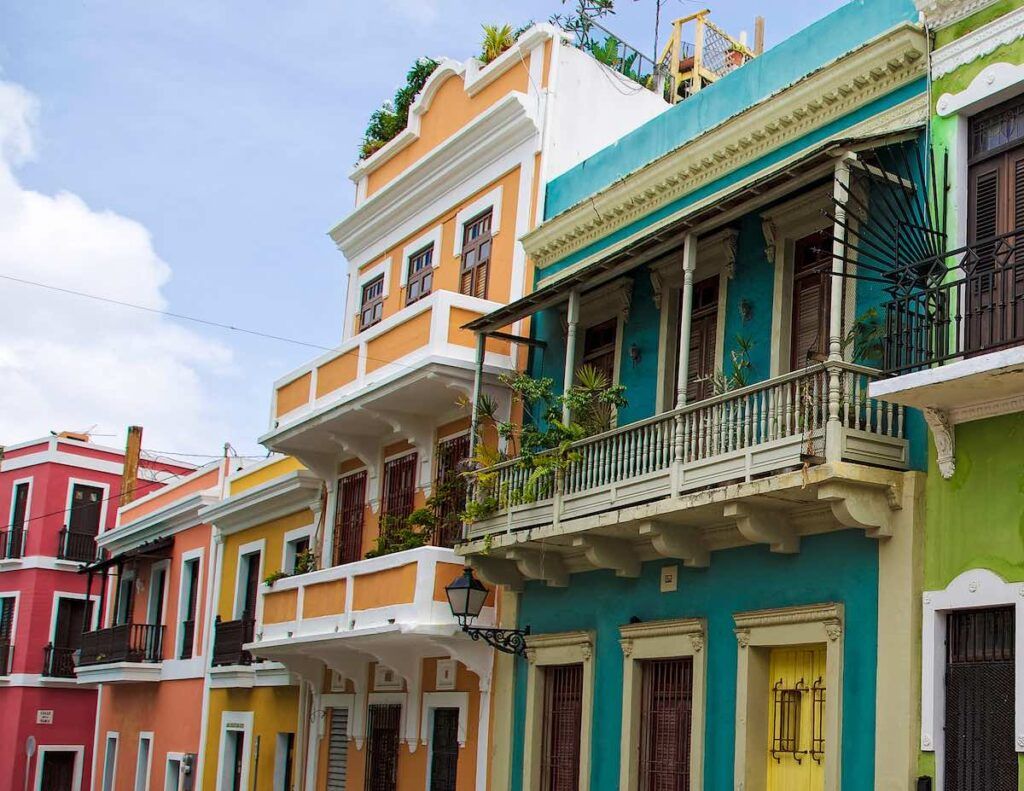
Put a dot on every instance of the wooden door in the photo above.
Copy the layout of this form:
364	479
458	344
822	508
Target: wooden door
382	747
252	585
599	344
348	519
796	716
703	341
73	616
809	325
86	507
563	717
58	772
444	750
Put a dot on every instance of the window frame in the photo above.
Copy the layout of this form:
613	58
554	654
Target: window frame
109	770
234	722
419	276
250	548
543	650
192	556
374	304
474	245
146	778
288	549
652	640
104	501
27	516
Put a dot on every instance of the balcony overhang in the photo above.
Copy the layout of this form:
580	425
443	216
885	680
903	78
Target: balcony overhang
258	674
119	673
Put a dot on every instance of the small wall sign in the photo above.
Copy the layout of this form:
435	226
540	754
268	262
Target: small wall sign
44	716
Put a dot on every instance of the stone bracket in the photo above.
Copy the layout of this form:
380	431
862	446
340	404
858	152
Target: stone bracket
609	553
945	439
764	526
678	541
497	571
867	507
547	566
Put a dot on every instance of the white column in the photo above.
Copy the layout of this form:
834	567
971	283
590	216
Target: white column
833	429
573	318
478	377
689	265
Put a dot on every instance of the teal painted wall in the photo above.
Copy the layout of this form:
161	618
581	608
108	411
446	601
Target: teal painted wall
840	32
840	567
754	282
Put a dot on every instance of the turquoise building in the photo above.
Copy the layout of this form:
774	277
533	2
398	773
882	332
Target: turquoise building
720	583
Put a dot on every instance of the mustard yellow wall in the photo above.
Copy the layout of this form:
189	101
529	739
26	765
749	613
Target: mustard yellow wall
275	710
262	475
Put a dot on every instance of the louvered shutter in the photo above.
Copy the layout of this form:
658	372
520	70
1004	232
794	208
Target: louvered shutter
337	751
810	306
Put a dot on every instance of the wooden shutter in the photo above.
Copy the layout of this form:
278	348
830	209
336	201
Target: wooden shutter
599	344
811	296
348	519
703	340
382	747
476	256
6	618
979	732
450	454
337	750
665	722
444	750
563	718
86	504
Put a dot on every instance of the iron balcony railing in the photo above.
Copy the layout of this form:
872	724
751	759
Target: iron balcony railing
957	304
58	662
12	543
72	545
228	639
792	408
6	657
130	642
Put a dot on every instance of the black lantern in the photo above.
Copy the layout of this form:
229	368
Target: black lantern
466	597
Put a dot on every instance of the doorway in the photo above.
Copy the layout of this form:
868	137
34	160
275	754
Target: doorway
796	719
58	771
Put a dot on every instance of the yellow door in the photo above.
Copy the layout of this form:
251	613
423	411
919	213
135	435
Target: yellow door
796	710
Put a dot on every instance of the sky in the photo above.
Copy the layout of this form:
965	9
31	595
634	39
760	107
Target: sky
190	156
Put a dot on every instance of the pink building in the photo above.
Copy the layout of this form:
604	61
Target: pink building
57	495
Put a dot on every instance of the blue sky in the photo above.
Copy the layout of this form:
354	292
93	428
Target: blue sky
226	131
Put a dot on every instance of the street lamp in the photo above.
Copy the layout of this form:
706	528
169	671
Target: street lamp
466	597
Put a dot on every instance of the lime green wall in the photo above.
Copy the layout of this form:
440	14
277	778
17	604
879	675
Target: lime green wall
974	21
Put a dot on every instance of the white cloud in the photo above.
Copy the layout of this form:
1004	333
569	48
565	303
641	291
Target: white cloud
71	363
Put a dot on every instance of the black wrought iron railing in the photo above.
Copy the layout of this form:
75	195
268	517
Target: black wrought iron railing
958	304
6	657
12	543
58	662
188	636
608	48
130	642
228	639
72	545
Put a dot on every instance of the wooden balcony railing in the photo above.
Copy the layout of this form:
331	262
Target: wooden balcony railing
228	639
58	662
751	431
72	545
130	642
965	302
12	543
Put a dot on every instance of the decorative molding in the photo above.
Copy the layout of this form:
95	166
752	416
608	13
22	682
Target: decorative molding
867	507
986	88
978	43
675	628
603	552
995	408
875	69
742	637
945	440
827	614
942	13
770	235
730	242
559	648
761	525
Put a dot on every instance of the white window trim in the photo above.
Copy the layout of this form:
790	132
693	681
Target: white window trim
115	737
562	648
77	749
104	501
492	201
245	718
16	595
246	549
443	700
28	506
180	759
187	557
288	553
57	596
144	736
972	589
661	640
760	631
165	566
431	238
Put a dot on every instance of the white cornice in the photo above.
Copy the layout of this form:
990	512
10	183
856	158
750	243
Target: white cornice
502	127
160	523
271	500
877	68
940	13
983	41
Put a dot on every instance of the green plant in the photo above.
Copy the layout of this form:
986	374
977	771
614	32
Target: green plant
398	534
305	562
867	336
274	577
741	367
497	39
393	116
580	21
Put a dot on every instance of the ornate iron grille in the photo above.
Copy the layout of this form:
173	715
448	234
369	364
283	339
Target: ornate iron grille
399	490
382	748
348	519
58	662
452	490
979	750
444	755
563	716
999	127
818	720
786	720
665	722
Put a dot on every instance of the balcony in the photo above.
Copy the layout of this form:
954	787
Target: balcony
59	662
385	379
127	652
12	544
75	546
704	465
228	639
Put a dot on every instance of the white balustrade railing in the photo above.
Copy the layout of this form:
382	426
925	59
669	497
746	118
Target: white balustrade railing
796	404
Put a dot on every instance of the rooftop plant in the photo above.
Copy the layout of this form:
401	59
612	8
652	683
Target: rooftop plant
392	117
497	39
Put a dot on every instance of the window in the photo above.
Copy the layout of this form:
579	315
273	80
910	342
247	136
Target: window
371	303
125	601
73	617
236	753
599	342
337	750
665	721
476	256
450	488
563	713
284	763
248	585
86	510
19	506
399	488
110	762
189	605
142	762
157	591
235	760
6	634
421	275
295	550
444	750
348	519
811	299
382	746
703	341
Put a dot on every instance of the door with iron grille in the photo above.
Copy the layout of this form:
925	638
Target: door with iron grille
979	734
796	719
444	750
382	746
399	490
665	719
451	488
348	519
563	718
